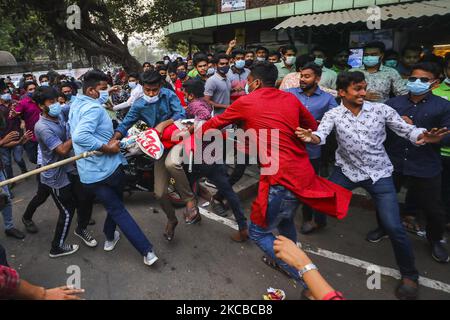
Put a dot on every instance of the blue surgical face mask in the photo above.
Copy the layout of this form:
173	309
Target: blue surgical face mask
30	94
391	63
54	110
210	72
44	84
132	84
240	64
6	97
418	88
68	96
151	99
260	59
371	61
319	61
104	96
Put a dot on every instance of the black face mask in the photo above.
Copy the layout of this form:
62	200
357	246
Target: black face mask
224	70
248	63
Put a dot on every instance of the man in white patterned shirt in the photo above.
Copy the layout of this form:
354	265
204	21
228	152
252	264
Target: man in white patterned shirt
361	161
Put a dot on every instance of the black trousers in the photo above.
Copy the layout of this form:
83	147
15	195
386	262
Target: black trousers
65	203
3	260
84	201
426	193
446	186
42	194
308	212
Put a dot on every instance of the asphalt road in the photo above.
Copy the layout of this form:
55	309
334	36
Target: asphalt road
202	262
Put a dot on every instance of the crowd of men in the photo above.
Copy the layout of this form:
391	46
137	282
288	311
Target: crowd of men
380	126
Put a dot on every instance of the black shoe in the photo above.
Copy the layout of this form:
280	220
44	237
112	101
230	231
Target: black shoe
439	253
64	250
407	290
14	233
86	237
309	227
30	226
376	235
91	222
219	208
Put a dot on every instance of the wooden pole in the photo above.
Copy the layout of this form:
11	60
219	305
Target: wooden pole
50	166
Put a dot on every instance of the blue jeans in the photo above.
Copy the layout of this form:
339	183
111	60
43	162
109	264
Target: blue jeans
31	148
110	193
7	210
17	153
281	209
218	175
385	196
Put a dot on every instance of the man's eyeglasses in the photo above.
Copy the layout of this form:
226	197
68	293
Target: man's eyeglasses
422	79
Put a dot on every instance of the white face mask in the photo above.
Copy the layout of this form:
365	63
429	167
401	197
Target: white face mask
151	99
290	61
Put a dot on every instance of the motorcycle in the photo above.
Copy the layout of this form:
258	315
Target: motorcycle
139	171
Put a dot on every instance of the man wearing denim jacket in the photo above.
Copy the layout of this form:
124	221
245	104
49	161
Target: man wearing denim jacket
160	108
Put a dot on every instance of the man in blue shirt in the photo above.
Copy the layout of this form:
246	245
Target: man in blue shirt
420	168
91	130
318	103
159	108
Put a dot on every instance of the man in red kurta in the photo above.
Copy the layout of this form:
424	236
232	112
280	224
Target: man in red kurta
271	113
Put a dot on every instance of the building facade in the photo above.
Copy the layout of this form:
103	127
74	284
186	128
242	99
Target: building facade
257	22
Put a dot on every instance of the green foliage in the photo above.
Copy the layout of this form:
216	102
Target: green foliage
24	35
31	28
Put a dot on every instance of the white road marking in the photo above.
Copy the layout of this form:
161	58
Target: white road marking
426	282
390	272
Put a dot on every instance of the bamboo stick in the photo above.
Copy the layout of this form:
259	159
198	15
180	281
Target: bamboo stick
50	166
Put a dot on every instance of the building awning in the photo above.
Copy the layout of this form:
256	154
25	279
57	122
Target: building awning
389	12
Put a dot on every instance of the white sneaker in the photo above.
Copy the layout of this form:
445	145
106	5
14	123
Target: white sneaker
110	245
150	258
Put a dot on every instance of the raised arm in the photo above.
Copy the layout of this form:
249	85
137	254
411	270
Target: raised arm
320	135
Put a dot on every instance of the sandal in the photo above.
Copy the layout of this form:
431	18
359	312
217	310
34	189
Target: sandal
410	224
169	234
192	215
307	295
274	265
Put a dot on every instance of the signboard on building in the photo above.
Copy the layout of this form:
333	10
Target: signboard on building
233	5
